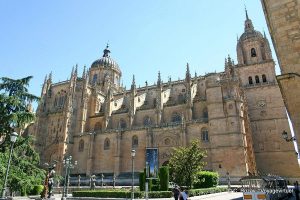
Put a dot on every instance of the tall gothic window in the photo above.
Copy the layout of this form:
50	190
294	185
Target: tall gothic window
204	135
135	141
81	145
94	79
123	123
256	79
106	144
253	52
97	126
250	80
147	121
176	117
205	113
264	78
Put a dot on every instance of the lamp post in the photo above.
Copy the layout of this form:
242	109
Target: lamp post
132	165
68	165
285	136
13	138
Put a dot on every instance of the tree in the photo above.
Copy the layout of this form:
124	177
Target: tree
14	115
185	162
24	171
14	101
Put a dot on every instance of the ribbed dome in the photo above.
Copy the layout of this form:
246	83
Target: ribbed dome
250	34
106	61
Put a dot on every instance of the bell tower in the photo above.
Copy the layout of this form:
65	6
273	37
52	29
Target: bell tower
265	107
105	73
252	46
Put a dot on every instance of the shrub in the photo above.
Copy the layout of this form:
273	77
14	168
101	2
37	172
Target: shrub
160	194
155	185
107	194
206	179
199	192
164	178
36	190
142	181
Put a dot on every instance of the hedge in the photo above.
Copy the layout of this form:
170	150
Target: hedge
199	192
142	179
160	194
206	179
107	194
157	194
164	178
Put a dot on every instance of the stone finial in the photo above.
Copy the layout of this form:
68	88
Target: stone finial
159	79
133	86
76	69
83	73
229	61
264	34
187	73
50	77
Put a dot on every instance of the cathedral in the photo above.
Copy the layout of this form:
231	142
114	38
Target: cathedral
238	116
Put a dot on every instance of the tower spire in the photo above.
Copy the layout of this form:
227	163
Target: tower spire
247	18
106	51
158	79
187	73
133	86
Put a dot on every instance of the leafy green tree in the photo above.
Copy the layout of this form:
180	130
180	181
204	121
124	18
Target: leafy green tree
14	114
24	172
14	100
185	162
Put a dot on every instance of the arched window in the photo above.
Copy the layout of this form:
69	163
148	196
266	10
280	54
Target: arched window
135	141
176	117
81	145
94	79
55	102
106	144
181	98
147	121
256	79
205	113
204	135
154	102
264	78
253	52
97	126
123	123
250	80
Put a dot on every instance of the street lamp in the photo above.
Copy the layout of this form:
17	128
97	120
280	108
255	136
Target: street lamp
13	138
67	162
132	164
285	136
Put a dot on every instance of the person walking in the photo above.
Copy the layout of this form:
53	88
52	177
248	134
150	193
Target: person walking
296	190
176	192
183	195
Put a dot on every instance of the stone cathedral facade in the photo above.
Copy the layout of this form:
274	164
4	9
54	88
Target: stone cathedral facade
237	115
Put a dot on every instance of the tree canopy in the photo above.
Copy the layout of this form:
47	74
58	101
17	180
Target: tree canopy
185	162
24	170
14	101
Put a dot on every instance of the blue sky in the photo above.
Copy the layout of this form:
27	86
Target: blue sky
145	37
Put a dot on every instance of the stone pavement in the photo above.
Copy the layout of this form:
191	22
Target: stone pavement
216	196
